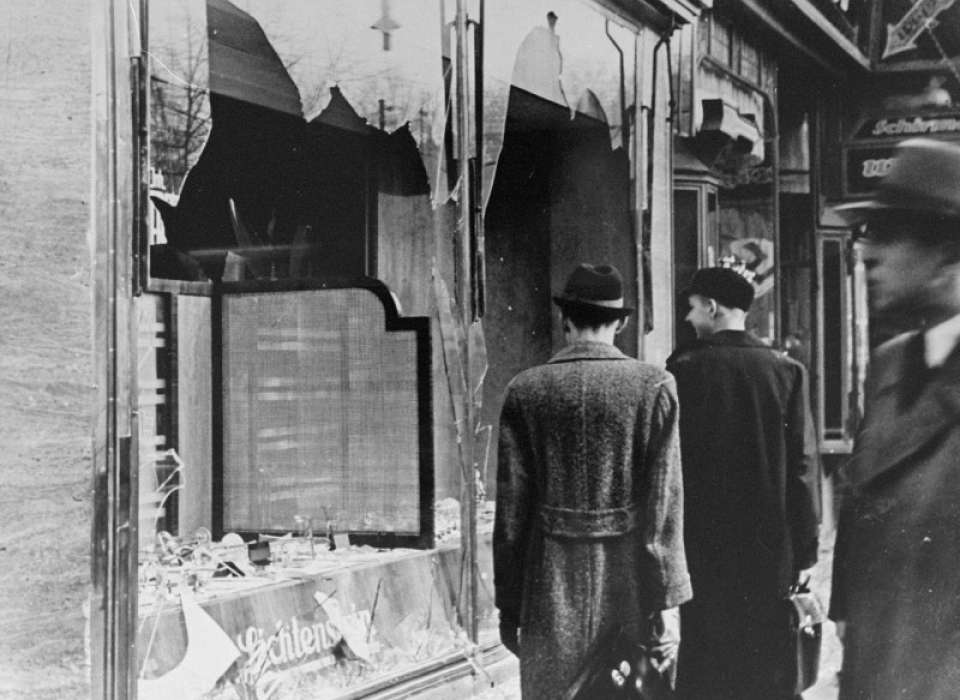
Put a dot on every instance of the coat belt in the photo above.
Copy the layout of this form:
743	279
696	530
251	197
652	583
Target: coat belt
574	523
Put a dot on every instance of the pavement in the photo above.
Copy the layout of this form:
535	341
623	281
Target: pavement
504	681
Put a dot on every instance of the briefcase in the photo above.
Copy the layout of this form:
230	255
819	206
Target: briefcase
617	666
805	629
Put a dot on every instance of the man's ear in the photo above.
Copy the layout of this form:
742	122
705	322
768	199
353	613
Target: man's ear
621	324
714	308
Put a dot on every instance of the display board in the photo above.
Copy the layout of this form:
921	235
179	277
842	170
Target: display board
326	414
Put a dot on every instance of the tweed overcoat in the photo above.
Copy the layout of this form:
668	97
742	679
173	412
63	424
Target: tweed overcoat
589	518
751	475
897	559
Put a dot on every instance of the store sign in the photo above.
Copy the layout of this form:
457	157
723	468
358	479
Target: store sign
922	30
900	127
865	166
340	628
298	640
903	35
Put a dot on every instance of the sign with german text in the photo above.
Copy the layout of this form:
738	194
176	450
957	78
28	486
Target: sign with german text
864	167
901	127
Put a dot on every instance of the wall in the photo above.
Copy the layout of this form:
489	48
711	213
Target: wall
46	360
658	343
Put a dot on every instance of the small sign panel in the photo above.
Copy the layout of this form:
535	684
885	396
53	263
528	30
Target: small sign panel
865	166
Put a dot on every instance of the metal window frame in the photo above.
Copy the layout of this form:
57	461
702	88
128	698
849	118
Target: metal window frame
831	444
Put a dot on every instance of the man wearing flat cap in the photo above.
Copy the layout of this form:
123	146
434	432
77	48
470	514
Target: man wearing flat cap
589	518
896	579
751	477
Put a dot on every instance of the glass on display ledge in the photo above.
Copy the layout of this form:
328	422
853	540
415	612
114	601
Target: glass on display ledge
301	615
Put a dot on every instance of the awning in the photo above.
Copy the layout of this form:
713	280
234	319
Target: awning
723	118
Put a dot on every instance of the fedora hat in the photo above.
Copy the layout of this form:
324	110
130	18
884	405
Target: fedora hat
924	177
597	289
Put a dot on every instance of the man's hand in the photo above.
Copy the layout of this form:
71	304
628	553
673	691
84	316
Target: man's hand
664	642
510	636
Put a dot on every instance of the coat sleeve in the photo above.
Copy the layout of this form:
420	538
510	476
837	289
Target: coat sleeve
664	576
803	475
513	517
838	583
848	516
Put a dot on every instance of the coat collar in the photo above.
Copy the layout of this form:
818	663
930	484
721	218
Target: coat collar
892	434
588	350
737	339
743	339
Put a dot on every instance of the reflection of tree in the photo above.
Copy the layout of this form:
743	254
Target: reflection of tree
402	99
179	111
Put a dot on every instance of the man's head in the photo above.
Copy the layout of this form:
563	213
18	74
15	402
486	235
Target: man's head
719	300
592	301
911	229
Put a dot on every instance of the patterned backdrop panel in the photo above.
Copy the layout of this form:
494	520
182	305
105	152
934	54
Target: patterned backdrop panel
320	413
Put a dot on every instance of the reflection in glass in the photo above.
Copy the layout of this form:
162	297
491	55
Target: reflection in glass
560	129
282	134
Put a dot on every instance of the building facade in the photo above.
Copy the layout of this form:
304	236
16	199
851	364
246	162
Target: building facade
763	95
347	223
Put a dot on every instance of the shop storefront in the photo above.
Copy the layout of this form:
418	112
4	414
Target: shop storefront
913	91
326	236
760	98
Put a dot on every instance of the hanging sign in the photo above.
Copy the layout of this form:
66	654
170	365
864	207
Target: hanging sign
927	31
903	35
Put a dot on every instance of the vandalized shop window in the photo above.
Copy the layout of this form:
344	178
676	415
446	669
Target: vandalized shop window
293	139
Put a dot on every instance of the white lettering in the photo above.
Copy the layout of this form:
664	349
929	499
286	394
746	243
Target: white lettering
917	125
876	167
276	655
333	632
295	634
306	640
286	644
247	641
294	642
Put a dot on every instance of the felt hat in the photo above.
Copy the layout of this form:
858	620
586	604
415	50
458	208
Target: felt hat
594	288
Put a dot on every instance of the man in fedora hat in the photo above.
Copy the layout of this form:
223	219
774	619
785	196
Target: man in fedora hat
751	479
896	580
589	518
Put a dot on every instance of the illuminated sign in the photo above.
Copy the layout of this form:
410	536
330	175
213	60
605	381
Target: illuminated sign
865	166
901	127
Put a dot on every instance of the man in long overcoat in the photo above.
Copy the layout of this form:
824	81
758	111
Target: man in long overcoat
589	518
752	483
896	587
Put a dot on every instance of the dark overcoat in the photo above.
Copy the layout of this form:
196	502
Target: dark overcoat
589	518
897	559
752	501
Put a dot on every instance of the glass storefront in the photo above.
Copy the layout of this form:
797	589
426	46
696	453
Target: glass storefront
315	505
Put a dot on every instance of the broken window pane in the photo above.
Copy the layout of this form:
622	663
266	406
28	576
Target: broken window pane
295	139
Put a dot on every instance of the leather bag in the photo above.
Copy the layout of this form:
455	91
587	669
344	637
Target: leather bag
805	635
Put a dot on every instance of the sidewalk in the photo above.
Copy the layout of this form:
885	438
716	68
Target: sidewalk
507	682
